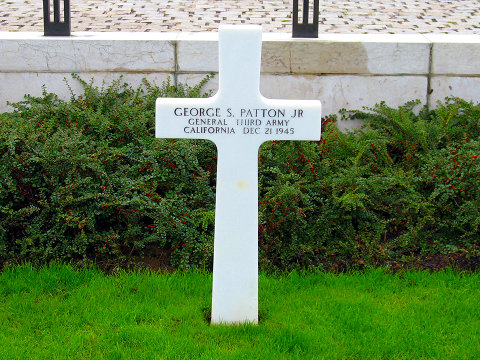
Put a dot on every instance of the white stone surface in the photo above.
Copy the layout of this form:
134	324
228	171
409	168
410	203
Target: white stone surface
14	86
346	91
346	54
467	88
197	52
359	58
238	119
28	60
276	57
367	54
350	92
194	78
89	52
455	54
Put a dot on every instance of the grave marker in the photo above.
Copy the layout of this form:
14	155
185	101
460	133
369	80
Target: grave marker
238	119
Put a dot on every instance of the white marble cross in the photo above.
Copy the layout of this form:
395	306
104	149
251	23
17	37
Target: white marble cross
238	119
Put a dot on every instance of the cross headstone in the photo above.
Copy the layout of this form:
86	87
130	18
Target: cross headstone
238	119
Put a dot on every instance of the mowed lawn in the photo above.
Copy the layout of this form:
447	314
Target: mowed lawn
58	312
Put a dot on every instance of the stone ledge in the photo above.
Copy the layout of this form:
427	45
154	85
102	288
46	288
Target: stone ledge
85	53
375	54
15	85
343	71
335	91
455	54
329	54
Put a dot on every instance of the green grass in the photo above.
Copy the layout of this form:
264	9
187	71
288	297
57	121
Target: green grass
61	313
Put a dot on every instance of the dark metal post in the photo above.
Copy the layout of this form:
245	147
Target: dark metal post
305	29
57	27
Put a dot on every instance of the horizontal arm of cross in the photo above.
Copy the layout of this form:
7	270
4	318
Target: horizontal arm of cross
252	122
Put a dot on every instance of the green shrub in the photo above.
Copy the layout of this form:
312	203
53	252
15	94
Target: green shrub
85	179
405	185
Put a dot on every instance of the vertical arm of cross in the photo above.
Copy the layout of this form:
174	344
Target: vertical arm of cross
235	269
238	119
239	58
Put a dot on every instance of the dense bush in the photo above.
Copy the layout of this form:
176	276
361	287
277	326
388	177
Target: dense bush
86	179
406	185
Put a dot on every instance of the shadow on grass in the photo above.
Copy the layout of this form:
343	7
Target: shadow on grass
207	314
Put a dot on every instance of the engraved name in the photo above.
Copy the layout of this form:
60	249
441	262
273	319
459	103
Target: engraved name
215	120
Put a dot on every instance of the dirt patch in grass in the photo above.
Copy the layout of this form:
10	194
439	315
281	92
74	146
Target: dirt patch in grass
157	259
436	262
458	261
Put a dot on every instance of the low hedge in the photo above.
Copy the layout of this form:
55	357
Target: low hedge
86	180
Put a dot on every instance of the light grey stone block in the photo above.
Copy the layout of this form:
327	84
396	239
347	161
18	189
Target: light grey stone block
467	88
15	85
89	52
346	91
455	54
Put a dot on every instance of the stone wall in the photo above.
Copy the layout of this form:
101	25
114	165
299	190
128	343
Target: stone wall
343	71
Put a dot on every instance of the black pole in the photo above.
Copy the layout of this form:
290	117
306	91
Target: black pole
57	27
305	29
56	11
305	11
295	16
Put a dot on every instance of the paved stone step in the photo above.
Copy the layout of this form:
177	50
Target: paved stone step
341	16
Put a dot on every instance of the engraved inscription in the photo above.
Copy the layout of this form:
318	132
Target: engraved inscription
243	121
